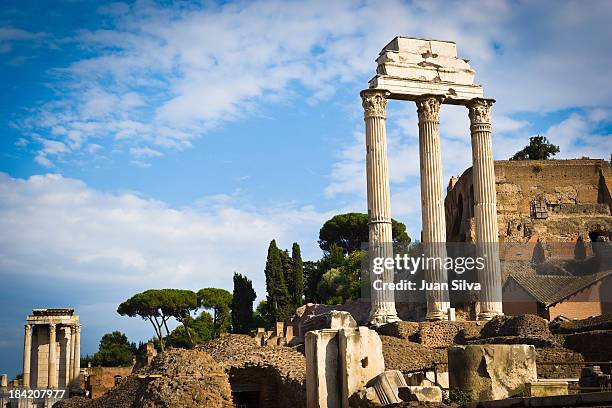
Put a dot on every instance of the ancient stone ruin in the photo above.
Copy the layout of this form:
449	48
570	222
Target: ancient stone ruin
429	73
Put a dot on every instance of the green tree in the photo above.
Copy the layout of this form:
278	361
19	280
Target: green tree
149	305
262	315
278	298
538	148
200	328
349	231
179	303
219	301
341	282
297	276
242	304
311	281
114	351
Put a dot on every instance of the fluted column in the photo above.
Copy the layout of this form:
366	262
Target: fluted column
485	207
71	355
374	103
77	355
52	374
27	349
67	378
432	203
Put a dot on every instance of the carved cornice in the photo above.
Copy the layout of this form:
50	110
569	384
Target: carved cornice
479	110
374	102
428	108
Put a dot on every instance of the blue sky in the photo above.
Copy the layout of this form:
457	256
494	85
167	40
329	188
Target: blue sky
165	144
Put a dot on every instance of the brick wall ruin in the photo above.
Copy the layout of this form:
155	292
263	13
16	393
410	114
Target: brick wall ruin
550	200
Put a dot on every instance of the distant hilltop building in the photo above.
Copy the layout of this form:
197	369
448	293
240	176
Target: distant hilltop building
52	349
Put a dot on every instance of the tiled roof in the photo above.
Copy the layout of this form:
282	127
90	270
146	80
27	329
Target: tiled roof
550	289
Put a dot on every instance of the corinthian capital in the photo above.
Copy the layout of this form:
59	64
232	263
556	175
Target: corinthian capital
428	108
480	110
374	102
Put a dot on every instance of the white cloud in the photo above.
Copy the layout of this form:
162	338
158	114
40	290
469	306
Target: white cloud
144	152
10	35
164	75
59	228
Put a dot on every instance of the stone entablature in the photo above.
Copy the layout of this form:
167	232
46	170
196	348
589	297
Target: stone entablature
411	67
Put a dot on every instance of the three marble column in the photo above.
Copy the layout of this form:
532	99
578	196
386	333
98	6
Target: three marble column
432	201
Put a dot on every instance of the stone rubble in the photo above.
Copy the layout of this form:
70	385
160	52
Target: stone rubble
178	379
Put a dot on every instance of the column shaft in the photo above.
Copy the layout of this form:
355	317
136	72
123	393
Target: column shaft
53	374
432	203
77	355
27	349
67	360
485	208
72	341
379	203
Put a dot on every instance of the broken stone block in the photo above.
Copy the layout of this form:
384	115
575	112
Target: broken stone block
322	382
272	341
547	388
289	332
593	377
492	372
279	329
386	387
421	393
340	362
428	378
332	320
361	359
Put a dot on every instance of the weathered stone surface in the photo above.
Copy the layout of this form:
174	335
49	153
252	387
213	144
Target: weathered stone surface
407	356
334	319
569	326
421	394
527	325
184	379
384	388
361	358
410	67
593	377
340	362
594	345
547	388
434	334
322	369
428	378
279	372
552	363
491	371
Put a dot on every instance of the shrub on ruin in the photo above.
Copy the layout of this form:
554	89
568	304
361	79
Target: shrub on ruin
539	148
456	396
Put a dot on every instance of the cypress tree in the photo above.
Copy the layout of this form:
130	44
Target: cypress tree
242	304
297	288
275	282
